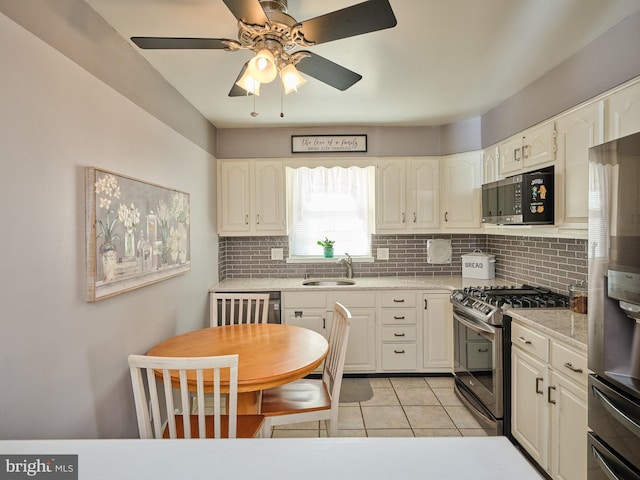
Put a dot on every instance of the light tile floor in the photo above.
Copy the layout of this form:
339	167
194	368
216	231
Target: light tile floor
400	407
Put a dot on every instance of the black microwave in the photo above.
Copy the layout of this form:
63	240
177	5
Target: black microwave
524	199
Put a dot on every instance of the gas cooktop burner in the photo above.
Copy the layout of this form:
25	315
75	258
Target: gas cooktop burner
525	296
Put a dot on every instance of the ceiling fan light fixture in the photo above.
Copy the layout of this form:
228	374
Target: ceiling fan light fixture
248	83
291	79
262	67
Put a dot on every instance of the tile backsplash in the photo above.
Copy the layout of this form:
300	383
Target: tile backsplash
550	262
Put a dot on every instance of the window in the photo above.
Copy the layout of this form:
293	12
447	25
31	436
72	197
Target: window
336	203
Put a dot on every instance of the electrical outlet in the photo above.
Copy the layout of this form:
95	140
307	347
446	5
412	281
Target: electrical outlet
383	254
277	254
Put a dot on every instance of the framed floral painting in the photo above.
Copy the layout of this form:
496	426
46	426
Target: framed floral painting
137	233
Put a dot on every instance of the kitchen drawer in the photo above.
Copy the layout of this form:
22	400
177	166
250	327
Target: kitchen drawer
398	316
530	341
304	300
399	334
398	298
399	356
569	362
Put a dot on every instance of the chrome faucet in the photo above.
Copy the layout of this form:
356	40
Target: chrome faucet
347	262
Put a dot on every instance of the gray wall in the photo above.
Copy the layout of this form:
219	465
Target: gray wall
608	61
63	361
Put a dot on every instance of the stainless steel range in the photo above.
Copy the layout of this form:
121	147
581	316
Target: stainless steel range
482	346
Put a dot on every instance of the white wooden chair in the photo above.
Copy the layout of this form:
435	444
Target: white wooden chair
308	399
230	308
185	425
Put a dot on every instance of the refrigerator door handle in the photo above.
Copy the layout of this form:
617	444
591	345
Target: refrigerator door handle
616	413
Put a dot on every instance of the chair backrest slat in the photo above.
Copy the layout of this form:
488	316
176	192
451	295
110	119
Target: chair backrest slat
230	308
338	339
204	374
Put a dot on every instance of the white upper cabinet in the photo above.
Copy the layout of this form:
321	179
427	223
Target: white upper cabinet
535	147
490	164
251	197
407	195
623	112
461	190
577	132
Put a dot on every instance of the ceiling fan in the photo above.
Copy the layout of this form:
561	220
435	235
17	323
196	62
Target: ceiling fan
278	40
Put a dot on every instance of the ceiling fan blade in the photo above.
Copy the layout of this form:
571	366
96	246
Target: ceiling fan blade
249	11
237	91
179	43
362	18
328	72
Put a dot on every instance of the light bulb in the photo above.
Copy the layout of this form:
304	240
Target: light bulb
291	79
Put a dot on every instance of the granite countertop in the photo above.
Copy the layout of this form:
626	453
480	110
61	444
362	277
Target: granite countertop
560	323
432	282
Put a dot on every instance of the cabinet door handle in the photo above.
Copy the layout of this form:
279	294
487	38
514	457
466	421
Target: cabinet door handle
403	217
297	314
258	219
398	334
525	155
570	366
552	387
398	300
398	351
246	219
415	217
426	304
483	350
516	157
324	323
524	340
446	216
398	317
538	380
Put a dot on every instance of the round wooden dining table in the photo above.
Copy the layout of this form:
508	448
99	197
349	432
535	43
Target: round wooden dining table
268	355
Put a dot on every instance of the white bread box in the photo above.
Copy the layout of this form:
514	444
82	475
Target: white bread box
478	265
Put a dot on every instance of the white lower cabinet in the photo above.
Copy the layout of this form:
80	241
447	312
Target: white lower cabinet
313	310
391	330
437	332
549	402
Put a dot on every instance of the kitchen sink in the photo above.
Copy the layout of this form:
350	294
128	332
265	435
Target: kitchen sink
328	282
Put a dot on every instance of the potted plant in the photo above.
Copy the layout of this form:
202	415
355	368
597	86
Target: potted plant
328	247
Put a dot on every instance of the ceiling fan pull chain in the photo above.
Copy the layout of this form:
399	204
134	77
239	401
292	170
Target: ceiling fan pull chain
281	101
254	113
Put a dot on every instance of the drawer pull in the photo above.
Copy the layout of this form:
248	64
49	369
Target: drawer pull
398	300
398	351
549	394
297	314
398	334
538	380
398	317
570	366
524	340
483	350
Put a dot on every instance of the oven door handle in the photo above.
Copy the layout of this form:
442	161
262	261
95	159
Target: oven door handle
482	329
616	413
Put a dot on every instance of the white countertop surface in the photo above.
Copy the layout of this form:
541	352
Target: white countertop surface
432	282
476	458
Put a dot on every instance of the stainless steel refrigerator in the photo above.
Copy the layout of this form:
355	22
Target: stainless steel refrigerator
614	310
